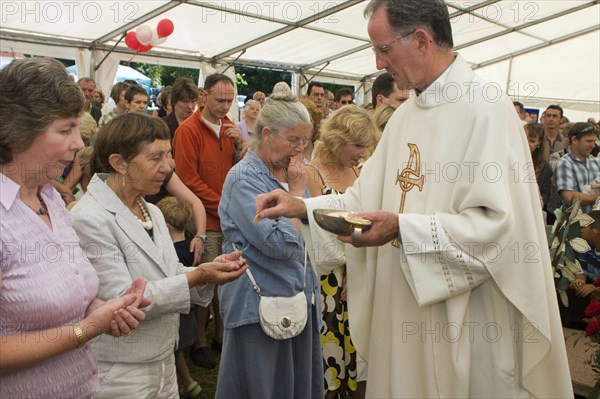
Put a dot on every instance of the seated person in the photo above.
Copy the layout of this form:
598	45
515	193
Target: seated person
583	286
590	261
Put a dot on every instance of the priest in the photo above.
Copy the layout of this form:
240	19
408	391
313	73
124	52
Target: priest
450	291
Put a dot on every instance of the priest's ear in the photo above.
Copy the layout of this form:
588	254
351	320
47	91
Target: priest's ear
424	40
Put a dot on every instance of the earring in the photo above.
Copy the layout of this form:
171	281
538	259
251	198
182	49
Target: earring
123	180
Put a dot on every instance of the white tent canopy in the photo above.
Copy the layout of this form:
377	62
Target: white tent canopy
540	52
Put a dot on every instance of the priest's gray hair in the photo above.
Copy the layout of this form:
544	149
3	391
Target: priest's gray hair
283	111
405	16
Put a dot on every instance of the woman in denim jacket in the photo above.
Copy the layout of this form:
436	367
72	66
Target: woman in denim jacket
254	365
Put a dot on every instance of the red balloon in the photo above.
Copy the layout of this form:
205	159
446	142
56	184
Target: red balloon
132	42
143	48
165	27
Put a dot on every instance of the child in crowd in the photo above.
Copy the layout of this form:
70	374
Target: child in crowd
177	214
590	261
580	289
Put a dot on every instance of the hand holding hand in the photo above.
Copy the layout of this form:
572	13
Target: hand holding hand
584	290
118	316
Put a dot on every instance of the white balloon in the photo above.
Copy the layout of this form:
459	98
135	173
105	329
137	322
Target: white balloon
156	41
159	41
144	34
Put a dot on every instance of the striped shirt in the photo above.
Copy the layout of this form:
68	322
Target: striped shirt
573	175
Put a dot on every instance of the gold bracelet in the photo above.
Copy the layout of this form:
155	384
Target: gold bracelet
78	334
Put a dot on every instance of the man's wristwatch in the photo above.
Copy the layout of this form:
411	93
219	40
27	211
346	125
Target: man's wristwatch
201	236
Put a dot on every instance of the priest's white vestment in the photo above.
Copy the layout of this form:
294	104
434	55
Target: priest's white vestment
465	306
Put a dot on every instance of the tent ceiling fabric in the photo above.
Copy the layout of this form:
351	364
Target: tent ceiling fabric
326	37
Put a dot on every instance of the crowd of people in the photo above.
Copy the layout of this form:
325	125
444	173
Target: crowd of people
121	230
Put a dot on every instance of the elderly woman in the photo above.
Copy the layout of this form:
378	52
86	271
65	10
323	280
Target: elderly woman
130	239
346	138
48	289
246	126
254	365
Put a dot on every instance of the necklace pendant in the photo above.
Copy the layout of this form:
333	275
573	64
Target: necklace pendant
147	222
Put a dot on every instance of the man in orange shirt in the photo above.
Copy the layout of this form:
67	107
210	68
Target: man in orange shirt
206	145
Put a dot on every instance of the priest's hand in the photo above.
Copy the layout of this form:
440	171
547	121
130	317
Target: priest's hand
279	203
383	230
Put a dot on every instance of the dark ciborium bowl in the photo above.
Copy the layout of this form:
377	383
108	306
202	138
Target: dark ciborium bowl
341	222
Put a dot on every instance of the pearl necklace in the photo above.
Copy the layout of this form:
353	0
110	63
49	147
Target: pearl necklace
147	222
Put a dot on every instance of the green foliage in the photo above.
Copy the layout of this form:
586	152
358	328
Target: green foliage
566	243
239	79
259	79
163	75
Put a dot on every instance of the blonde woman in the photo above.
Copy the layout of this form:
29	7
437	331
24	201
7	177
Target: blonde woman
382	115
347	137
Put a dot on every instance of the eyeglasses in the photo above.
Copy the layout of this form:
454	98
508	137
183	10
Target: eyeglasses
382	51
297	141
346	102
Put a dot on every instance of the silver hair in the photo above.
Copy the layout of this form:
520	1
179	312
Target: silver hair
250	103
405	16
283	111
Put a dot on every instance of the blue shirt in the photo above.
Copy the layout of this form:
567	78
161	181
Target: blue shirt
273	248
590	263
573	175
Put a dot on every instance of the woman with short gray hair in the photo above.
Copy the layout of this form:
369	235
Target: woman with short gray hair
246	126
253	364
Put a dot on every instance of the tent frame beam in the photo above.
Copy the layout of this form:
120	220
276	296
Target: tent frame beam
286	29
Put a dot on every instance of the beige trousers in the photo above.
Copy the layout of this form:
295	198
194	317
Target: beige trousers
138	380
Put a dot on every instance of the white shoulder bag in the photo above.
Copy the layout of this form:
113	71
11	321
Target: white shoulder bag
282	317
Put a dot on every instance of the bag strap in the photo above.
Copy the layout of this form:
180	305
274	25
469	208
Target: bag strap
255	286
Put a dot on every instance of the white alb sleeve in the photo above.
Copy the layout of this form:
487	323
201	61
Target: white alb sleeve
435	267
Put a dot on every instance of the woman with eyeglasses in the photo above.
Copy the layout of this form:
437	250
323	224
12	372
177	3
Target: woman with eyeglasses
130	238
347	138
254	365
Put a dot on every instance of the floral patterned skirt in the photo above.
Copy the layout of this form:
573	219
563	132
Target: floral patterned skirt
339	355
